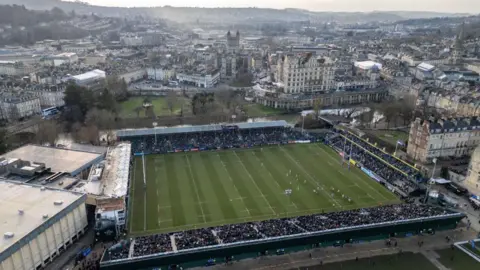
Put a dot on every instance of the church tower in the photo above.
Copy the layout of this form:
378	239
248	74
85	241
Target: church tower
458	49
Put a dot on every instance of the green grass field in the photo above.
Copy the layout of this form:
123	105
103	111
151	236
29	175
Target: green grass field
390	136
202	189
160	107
456	259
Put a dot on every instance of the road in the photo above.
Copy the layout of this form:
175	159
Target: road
16	127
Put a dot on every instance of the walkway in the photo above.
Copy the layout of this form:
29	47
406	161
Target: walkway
350	252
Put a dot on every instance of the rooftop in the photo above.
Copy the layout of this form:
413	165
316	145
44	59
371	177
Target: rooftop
114	177
94	74
59	160
35	204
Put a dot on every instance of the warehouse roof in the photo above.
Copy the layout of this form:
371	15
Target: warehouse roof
59	160
25	208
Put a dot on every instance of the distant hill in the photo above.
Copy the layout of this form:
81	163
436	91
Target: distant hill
226	15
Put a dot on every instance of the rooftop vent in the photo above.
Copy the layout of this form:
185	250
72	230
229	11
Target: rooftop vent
8	235
20	212
58	202
45	216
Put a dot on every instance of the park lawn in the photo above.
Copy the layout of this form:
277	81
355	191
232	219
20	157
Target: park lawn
391	136
461	260
203	189
160	107
402	261
258	110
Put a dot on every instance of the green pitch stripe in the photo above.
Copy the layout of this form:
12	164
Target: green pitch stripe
217	194
274	194
232	194
278	170
189	194
254	202
320	200
364	185
137	212
151	195
177	207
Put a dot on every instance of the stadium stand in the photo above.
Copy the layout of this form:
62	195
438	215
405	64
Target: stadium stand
281	227
212	137
392	171
382	168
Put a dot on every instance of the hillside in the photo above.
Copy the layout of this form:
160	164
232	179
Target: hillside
226	15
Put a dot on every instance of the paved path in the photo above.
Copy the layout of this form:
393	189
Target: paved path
350	252
64	261
433	257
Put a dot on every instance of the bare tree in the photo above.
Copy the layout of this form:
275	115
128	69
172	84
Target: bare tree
13	114
137	110
171	101
317	104
351	111
367	117
88	134
407	108
390	112
225	97
47	132
102	119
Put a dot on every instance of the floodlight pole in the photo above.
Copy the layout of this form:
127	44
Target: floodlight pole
429	184
303	122
155	130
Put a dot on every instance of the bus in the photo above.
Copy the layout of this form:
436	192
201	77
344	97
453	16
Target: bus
48	112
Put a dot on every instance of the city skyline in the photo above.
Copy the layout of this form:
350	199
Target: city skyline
448	6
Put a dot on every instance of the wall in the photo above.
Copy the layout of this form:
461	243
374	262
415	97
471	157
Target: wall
50	242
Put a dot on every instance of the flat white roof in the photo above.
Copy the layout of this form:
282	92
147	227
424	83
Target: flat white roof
66	54
58	159
425	67
90	75
7	62
367	64
114	180
34	202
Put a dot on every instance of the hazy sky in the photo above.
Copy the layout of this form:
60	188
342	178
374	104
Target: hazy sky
469	6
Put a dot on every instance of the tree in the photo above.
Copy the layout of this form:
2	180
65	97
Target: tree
106	101
317	103
117	87
47	132
444	172
78	101
87	134
367	117
13	114
351	111
171	100
390	112
407	108
137	110
3	141
103	119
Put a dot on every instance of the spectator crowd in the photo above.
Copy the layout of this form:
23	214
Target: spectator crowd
147	245
213	140
362	153
392	170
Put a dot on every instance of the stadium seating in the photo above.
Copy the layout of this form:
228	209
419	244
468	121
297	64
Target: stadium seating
224	139
147	245
369	156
